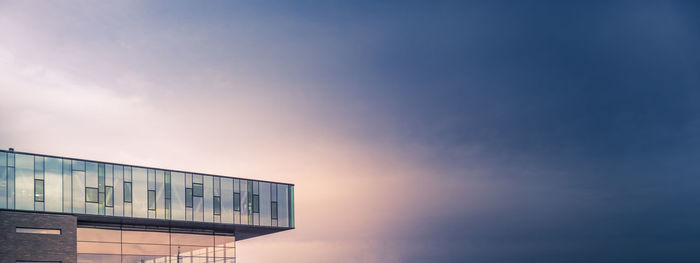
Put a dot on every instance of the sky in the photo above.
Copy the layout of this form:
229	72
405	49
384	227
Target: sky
414	131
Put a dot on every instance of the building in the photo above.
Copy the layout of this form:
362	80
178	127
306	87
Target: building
58	209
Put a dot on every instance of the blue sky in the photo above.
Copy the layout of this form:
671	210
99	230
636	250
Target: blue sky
453	131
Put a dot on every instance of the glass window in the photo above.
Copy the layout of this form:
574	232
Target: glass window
244	201
160	194
291	206
91	195
217	205
38	190
97	234
139	191
151	200
198	208
24	182
3	180
227	200
118	190
53	180
38	167
178	196
273	210
188	197
264	204
78	187
67	187
91	174
127	192
283	216
197	190
208	198
256	204
109	196
10	186
236	202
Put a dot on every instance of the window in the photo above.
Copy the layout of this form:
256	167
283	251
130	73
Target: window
217	205
256	204
27	230
109	196
91	195
151	200
39	190
197	190
236	201
273	207
127	192
188	197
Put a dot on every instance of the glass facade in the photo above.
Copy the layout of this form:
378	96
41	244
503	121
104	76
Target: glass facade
54	184
137	245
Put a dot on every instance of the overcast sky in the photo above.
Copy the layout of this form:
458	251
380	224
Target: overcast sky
414	131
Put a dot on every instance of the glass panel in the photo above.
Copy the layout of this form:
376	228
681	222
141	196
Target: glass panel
197	190
3	180
109	196
90	258
217	205
244	202
39	190
236	202
99	248
53	180
24	182
160	194
151	200
188	197
90	174
291	206
139	192
91	195
118	190
143	249
78	187
151	179
256	204
109	177
178	195
283	216
67	186
198	209
191	239
227	200
208	199
128	196
273	210
145	237
38	167
95	234
10	186
265	204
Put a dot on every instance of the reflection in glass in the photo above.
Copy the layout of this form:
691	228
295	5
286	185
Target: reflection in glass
208	199
67	186
91	195
139	192
38	190
53	178
178	196
78	187
24	182
227	200
3	180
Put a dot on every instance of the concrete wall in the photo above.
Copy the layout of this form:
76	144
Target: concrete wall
37	247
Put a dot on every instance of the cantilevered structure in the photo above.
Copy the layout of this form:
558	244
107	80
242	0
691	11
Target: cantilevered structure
59	209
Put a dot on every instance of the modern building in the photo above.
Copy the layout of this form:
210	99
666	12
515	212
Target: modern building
58	209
